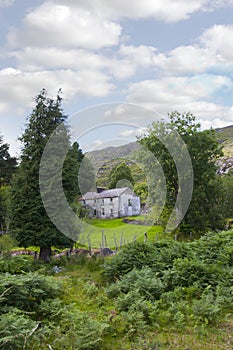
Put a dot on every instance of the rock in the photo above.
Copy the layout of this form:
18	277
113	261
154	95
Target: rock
106	251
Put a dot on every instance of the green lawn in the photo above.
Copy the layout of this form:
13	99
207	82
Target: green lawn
116	232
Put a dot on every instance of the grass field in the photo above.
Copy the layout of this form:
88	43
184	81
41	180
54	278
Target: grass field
114	232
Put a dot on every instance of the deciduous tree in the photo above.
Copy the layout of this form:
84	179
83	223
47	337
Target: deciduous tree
121	176
203	147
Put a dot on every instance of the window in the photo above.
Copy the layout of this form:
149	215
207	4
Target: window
129	203
111	212
103	211
111	199
103	201
94	212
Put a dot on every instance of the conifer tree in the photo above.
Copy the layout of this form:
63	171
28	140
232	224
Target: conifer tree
7	168
30	223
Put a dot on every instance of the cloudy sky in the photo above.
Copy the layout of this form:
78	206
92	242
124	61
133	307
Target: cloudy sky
163	55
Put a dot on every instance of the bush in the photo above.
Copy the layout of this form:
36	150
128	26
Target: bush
169	282
15	329
18	264
78	331
26	292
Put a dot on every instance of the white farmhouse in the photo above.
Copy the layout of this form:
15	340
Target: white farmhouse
113	203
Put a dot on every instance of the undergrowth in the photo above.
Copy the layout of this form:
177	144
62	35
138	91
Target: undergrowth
161	295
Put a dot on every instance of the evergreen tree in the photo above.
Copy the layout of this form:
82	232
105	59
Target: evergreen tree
7	163
121	176
7	168
30	223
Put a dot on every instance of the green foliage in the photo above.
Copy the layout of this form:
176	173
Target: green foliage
157	294
174	283
227	181
7	168
205	210
78	331
159	256
6	244
86	178
22	305
18	264
70	172
7	163
5	191
30	223
15	329
121	176
141	190
26	292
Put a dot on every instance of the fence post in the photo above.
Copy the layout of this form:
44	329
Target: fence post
115	241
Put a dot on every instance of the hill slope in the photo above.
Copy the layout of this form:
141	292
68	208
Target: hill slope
105	159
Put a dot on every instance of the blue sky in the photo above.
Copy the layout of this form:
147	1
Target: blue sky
161	55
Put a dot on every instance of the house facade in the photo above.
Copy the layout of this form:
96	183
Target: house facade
115	203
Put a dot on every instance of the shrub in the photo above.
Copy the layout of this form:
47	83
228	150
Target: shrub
26	292
15	329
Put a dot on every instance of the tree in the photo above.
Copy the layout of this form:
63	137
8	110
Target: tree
227	181
87	181
30	223
204	210
70	172
7	163
7	168
141	190
121	176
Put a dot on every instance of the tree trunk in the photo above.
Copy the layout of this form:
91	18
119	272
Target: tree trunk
45	253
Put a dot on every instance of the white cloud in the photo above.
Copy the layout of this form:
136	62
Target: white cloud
17	87
219	41
132	113
213	52
183	94
33	59
75	45
163	10
133	132
62	26
182	60
139	55
186	59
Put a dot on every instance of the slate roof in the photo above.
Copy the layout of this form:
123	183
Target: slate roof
116	192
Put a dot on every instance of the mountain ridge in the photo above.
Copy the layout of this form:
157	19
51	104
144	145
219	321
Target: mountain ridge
106	158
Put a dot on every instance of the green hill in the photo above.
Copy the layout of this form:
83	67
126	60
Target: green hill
105	159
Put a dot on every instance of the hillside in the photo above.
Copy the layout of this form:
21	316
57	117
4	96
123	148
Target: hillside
105	155
107	158
225	137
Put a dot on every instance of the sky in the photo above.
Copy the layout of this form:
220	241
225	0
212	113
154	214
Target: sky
120	64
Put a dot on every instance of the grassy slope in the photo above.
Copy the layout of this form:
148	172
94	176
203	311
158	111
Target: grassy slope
116	229
225	137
